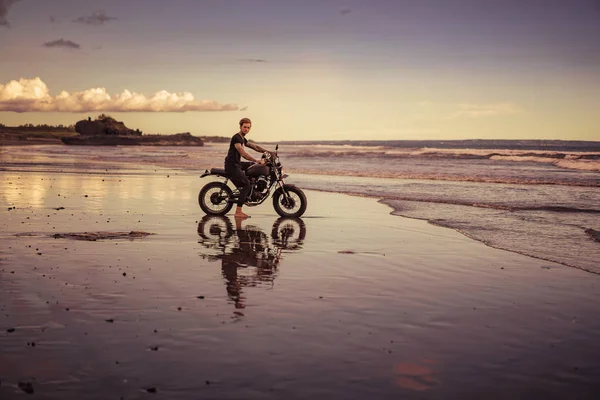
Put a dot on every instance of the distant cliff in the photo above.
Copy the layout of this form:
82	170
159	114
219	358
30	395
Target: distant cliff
106	131
178	139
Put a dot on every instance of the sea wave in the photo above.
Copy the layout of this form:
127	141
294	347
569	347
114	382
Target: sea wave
581	165
457	202
566	161
584	161
440	176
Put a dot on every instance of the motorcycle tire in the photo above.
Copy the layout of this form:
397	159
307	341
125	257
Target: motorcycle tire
215	198
292	206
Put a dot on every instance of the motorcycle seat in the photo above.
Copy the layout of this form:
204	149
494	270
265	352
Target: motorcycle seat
218	171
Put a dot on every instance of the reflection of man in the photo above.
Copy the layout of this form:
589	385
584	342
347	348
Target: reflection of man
254	251
248	256
233	284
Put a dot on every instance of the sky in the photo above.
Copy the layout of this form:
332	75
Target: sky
309	69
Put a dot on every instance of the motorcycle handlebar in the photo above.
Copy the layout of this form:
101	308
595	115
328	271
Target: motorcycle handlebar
269	155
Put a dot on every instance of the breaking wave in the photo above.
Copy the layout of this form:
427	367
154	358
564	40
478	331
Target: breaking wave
584	161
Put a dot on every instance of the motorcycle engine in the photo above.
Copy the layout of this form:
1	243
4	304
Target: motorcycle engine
261	184
258	189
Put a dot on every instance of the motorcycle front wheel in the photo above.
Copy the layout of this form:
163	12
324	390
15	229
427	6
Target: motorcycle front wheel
215	198
293	205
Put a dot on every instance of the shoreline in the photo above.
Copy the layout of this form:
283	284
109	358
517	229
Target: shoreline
100	170
591	234
175	139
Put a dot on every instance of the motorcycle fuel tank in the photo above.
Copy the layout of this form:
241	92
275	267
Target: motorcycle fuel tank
257	170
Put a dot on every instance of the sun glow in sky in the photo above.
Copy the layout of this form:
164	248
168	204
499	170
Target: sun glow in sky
307	70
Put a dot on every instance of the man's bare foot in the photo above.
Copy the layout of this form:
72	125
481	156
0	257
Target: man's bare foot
240	215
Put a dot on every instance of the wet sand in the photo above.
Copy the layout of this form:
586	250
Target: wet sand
348	303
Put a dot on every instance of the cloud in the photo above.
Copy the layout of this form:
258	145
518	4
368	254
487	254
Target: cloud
32	95
255	60
96	19
62	43
345	11
485	110
4	7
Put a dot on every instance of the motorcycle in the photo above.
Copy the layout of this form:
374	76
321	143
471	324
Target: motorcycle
217	197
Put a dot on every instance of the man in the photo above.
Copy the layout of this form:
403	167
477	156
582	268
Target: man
235	167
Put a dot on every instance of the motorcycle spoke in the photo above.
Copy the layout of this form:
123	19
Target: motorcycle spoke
290	202
215	199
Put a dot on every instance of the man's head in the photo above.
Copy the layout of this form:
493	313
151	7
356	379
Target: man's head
245	125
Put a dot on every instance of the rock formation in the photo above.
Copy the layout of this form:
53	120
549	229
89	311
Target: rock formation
103	126
106	131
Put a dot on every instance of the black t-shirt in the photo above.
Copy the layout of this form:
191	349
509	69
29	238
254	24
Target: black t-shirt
233	155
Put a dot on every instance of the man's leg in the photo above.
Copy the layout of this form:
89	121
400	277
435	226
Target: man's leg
245	190
246	165
239	179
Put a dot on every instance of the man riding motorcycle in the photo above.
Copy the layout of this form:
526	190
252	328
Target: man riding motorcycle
236	168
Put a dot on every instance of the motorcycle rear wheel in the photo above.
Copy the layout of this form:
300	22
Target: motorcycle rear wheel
293	205
215	198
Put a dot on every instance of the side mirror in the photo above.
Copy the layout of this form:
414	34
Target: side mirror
276	147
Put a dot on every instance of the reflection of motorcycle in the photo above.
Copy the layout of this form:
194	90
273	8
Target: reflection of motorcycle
217	198
248	256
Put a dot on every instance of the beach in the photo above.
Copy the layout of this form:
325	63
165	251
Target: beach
440	159
349	302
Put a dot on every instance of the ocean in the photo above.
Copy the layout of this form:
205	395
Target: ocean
537	198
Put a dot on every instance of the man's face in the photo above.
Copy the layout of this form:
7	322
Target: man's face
246	128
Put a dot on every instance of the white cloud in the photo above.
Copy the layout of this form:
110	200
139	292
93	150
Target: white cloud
485	110
28	95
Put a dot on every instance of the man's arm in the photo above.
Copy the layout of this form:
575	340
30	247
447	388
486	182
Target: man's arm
256	147
245	154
